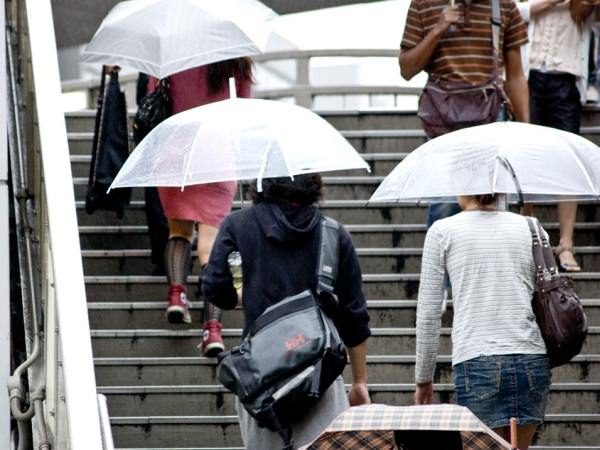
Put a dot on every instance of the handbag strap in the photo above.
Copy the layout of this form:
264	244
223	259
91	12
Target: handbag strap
542	254
496	22
327	268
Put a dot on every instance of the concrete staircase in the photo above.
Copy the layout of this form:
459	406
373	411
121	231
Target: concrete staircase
162	394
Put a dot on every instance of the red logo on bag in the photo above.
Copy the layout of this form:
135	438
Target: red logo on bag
295	342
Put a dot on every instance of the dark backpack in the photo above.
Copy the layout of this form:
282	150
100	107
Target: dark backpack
293	351
152	110
556	306
110	148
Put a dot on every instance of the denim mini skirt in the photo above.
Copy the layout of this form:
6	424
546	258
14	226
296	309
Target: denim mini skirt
496	388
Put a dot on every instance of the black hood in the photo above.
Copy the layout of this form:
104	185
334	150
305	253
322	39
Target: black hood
285	222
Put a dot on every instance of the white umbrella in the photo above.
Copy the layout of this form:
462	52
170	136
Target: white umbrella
237	139
545	164
163	37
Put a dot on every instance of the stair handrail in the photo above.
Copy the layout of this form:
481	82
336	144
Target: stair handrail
71	413
301	89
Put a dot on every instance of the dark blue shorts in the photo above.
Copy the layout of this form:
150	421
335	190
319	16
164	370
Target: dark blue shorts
497	388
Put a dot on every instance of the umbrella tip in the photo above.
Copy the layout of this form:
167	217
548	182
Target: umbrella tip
232	88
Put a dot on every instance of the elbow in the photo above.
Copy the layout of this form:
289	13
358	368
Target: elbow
406	70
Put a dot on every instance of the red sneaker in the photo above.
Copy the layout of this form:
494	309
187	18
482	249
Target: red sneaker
212	342
178	310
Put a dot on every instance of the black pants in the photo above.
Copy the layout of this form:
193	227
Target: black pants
158	229
554	100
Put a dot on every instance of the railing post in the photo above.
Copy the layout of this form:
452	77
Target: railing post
303	97
4	251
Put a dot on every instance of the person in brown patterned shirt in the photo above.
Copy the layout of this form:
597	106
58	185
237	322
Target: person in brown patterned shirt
465	52
454	42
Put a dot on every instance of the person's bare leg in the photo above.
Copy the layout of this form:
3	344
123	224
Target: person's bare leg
206	238
567	212
524	434
503	432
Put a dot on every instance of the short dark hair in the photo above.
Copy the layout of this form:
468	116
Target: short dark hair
304	190
486	199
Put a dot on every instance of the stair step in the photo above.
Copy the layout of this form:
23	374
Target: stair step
381	165
151	314
400	259
363	235
184	342
382	369
345	211
204	400
367	119
223	431
375	286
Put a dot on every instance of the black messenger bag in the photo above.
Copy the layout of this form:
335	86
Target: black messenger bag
293	351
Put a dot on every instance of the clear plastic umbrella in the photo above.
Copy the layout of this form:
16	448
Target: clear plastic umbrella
237	139
163	37
541	163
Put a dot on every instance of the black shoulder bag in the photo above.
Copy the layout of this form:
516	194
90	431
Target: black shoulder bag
293	351
556	306
152	110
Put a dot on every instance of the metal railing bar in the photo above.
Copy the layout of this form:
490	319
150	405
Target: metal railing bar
24	233
107	440
327	53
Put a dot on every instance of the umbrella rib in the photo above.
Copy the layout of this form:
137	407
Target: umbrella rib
189	162
263	167
583	169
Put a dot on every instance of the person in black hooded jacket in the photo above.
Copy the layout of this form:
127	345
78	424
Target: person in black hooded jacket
278	239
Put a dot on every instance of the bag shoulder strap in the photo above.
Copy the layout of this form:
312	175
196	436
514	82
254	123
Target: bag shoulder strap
496	24
327	268
542	254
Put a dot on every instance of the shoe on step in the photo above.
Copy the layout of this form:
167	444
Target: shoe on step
212	342
565	263
178	310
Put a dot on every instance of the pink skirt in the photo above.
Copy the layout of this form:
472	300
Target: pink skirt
204	203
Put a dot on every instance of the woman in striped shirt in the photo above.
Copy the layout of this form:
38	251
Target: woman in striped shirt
499	358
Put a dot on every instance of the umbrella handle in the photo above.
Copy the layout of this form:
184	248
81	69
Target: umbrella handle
513	433
232	88
508	166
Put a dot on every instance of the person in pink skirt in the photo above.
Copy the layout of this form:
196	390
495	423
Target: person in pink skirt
204	205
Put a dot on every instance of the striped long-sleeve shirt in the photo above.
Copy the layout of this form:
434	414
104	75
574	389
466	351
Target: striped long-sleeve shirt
489	259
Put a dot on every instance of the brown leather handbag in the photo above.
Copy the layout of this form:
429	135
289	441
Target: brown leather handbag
557	308
446	106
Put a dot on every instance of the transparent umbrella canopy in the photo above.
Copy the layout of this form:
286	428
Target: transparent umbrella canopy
543	164
237	139
163	37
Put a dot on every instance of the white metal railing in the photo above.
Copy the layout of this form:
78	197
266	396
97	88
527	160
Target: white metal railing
71	410
301	90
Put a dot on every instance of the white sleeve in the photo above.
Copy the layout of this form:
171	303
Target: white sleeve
429	305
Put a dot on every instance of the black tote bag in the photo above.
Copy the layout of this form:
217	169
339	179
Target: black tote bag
110	149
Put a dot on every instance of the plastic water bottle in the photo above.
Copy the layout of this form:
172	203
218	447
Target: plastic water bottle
235	267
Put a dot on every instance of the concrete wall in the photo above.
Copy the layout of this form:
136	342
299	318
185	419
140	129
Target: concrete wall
76	21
